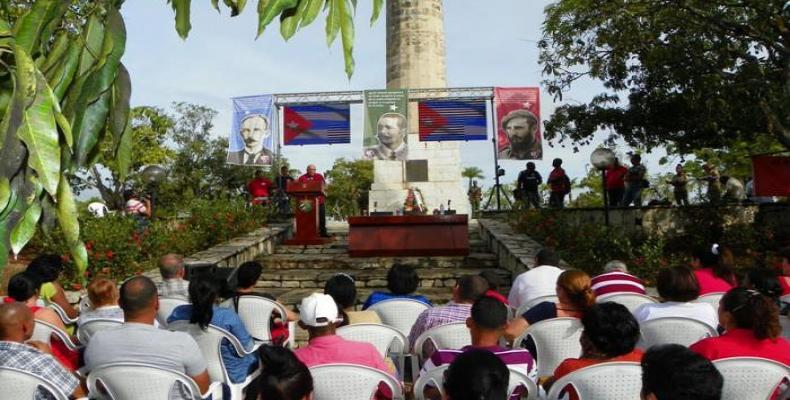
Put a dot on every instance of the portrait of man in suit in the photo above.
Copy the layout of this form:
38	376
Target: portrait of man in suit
254	130
391	133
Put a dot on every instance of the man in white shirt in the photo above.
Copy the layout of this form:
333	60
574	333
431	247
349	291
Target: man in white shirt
537	282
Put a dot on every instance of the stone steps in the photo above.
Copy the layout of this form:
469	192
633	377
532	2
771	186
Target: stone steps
338	259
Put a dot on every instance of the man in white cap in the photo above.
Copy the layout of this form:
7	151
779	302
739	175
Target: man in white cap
318	315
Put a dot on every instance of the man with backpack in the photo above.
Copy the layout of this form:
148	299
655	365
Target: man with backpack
528	182
560	184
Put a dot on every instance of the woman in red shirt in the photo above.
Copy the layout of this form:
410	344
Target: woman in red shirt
713	274
751	323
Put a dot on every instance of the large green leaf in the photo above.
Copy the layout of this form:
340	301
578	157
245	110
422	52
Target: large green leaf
332	21
289	21
37	21
67	216
377	5
215	4
119	111
58	50
312	8
123	154
240	4
25	228
91	129
93	39
5	28
5	193
268	9
182	8
63	72
347	35
38	130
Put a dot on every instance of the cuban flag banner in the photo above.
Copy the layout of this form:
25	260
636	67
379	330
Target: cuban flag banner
447	120
316	124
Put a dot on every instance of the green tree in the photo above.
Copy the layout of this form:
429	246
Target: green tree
63	90
348	185
690	73
472	173
591	187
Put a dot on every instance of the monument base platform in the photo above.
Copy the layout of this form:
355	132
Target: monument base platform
408	235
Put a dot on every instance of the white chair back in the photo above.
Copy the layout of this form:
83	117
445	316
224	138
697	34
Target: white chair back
449	336
140	381
677	330
387	340
85	304
784	321
256	313
532	303
555	340
86	330
399	313
350	382
19	384
62	314
621	380
435	378
751	378
710	298
166	306
210	343
631	301
43	331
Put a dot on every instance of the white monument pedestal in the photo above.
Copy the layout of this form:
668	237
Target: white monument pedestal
444	183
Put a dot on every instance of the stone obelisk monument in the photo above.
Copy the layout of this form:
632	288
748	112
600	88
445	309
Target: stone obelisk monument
416	60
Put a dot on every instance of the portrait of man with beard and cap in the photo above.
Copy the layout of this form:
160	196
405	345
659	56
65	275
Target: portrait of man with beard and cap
521	128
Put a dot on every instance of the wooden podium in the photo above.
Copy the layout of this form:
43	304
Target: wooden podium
306	195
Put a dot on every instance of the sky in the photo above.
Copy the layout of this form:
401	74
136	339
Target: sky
221	59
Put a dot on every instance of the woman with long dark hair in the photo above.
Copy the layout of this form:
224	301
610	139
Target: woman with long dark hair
714	274
751	324
204	311
284	377
344	291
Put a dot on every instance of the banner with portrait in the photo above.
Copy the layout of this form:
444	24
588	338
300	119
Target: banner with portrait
519	135
251	141
386	125
771	175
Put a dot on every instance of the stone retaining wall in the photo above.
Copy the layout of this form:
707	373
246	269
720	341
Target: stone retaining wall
243	248
515	251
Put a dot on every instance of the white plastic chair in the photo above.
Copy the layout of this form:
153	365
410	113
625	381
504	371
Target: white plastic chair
19	384
86	330
350	382
784	321
256	313
210	342
85	304
710	298
387	340
166	306
620	380
750	378
435	377
676	330
532	303
449	336
43	331
399	313
141	381
555	340
62	314
631	301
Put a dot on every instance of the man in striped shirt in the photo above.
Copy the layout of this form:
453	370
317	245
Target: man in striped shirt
486	326
616	279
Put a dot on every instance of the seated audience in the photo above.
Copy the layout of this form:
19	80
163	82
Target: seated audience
610	334
677	288
18	351
137	340
204	310
783	267
486	326
751	324
476	375
171	267
103	295
764	281
402	282
574	291
536	282
713	273
24	288
466	291
247	276
616	279
495	281
283	377
344	292
673	372
46	269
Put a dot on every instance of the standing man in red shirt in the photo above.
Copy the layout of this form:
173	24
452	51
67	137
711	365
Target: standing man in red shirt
259	188
615	183
312	176
559	183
